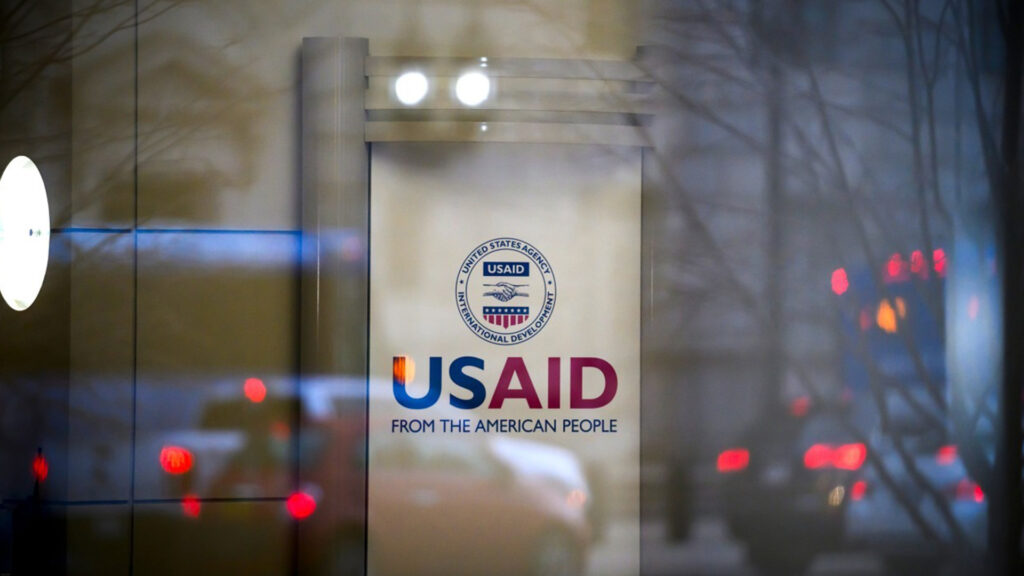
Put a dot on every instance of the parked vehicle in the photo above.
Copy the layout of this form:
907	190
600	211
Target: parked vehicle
917	503
784	487
436	504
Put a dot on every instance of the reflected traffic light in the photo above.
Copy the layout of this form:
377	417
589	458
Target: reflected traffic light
300	505
175	460
255	390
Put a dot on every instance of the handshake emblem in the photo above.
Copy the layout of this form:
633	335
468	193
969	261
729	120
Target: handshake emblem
505	291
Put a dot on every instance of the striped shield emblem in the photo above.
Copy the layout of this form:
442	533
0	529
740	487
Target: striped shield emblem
506	316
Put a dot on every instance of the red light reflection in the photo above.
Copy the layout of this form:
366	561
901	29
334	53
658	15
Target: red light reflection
939	262
967	489
300	505
917	264
279	430
946	455
191	506
858	490
840	282
799	406
40	468
845	457
896	268
818	456
850	456
865	320
733	460
175	460
254	389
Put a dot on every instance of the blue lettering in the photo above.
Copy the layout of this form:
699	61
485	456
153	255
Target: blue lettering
459	377
398	387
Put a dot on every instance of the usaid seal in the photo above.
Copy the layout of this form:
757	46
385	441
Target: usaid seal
505	291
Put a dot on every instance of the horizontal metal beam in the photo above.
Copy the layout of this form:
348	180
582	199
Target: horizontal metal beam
606	102
549	133
511	67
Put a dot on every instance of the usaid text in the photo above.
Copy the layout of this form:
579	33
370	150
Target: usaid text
515	383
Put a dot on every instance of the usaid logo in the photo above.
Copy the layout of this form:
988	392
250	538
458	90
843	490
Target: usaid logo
505	291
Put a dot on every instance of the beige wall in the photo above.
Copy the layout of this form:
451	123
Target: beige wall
217	99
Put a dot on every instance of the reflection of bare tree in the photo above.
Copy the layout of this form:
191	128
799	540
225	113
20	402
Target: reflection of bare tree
862	152
875	145
25	25
70	82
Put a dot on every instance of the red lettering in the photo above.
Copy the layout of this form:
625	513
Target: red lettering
515	367
554	382
611	383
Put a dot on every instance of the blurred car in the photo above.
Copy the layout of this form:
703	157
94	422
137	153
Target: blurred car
916	503
439	504
458	506
784	487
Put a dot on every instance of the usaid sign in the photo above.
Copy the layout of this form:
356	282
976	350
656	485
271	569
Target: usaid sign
504	348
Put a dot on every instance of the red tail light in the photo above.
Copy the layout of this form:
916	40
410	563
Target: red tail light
896	269
840	282
845	457
818	456
939	261
967	490
849	456
946	455
733	460
858	490
175	460
300	505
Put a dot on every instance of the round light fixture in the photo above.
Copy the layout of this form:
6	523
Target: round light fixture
411	87
24	233
472	88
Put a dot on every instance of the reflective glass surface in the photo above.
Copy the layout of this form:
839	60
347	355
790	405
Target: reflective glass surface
782	232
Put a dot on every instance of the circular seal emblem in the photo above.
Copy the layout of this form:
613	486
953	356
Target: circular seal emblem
505	291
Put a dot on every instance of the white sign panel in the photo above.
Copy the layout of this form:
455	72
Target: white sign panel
504	358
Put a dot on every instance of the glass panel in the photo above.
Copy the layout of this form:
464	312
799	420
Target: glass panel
788	226
823	331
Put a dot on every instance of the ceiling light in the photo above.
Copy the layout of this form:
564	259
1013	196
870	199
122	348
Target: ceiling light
472	88
24	233
411	87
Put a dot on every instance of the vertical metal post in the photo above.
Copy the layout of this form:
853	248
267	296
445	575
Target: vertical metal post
1005	506
334	317
768	27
